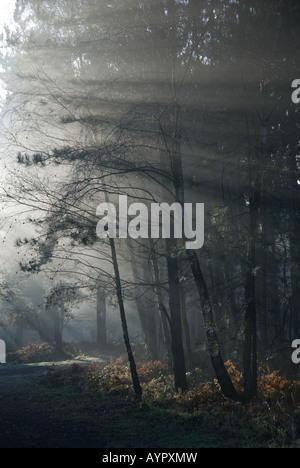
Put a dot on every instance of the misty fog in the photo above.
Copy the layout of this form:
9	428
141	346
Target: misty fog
164	101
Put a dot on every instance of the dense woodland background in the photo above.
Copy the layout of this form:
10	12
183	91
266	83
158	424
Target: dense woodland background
163	101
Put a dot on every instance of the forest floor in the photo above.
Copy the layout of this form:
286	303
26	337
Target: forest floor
35	415
62	405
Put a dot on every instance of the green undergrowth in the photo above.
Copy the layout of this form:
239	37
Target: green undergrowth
199	417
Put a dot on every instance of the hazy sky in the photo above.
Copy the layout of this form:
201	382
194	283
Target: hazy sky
6	11
6	237
6	15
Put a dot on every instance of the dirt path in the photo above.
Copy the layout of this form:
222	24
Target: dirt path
28	418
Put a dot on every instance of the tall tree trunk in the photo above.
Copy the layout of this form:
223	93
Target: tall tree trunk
133	370
295	245
165	319
207	310
256	166
57	331
148	322
288	13
186	329
250	356
175	316
210	330
19	334
101	317
147	311
132	364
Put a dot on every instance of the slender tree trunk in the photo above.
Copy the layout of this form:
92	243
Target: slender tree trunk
255	186
175	316
132	364
148	322
250	356
165	319
210	330
295	249
207	310
294	176
146	310
133	370
186	328
265	303
45	327
58	331
19	334
101	317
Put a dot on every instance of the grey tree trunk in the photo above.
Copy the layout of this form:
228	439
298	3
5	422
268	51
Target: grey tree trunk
175	317
186	329
133	370
210	330
57	330
207	310
101	317
165	319
146	309
132	364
